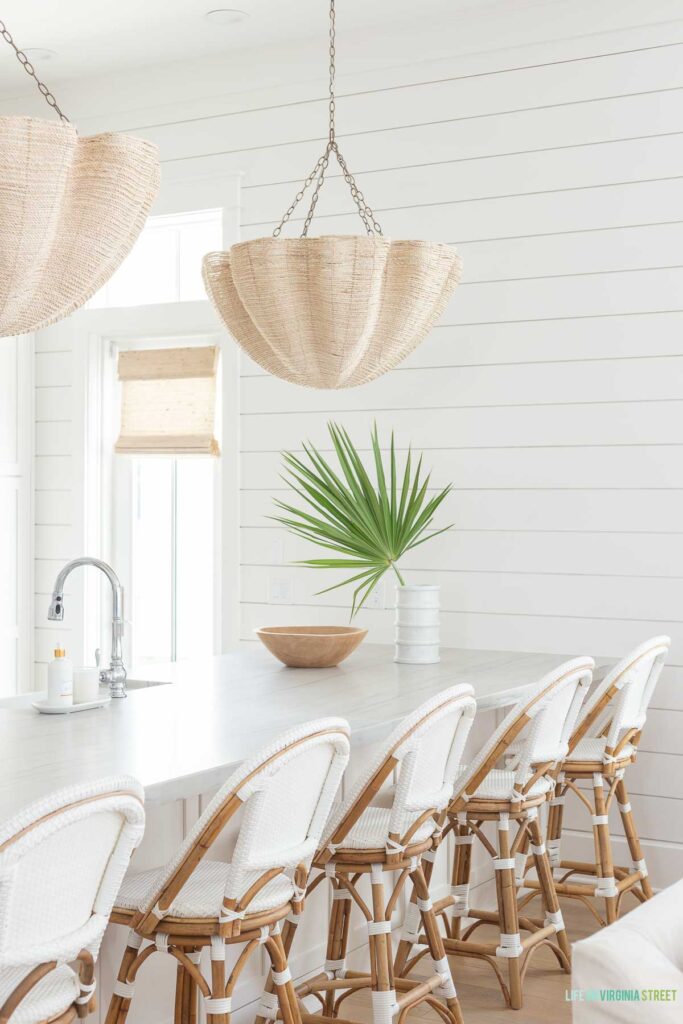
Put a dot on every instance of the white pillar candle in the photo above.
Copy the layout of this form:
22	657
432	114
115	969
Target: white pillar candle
86	684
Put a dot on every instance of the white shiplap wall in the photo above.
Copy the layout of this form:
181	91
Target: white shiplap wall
551	393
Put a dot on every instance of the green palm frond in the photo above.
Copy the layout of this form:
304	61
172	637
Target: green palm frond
368	525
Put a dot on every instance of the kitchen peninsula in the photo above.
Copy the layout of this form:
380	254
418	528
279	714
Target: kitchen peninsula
181	734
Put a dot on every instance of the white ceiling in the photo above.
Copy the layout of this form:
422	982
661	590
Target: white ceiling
93	37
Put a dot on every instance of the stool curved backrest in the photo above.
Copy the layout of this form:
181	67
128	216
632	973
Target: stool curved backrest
285	793
62	861
617	709
425	751
546	715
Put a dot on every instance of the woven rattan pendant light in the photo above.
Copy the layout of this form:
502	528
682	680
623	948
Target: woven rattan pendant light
70	210
333	311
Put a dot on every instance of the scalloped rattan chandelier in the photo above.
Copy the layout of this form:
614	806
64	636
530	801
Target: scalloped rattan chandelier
70	210
334	311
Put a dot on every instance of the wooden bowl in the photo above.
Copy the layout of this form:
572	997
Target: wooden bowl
311	646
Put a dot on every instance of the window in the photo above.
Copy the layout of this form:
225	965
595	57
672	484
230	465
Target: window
165	263
171	598
164	509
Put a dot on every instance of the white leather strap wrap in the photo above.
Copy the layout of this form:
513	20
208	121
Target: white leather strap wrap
86	993
379	927
282	977
510	945
218	1006
606	887
268	1006
447	989
125	989
461	893
504	863
555	919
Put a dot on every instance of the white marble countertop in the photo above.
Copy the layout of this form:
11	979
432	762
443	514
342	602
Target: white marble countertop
181	739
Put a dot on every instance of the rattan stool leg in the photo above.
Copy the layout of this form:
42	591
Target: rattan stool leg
284	986
554	829
440	964
606	884
460	879
510	947
337	940
266	1008
381	958
632	838
550	900
119	1004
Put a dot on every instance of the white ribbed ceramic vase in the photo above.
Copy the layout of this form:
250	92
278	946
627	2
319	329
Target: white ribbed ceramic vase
417	625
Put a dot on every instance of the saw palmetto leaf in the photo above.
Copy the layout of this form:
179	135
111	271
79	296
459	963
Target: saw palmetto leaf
368	525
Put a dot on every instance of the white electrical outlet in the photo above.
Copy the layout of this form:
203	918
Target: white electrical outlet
376	598
280	591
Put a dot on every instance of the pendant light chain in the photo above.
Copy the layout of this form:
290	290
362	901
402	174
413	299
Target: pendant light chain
320	168
30	70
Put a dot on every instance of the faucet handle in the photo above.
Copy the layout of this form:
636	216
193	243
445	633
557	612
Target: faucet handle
98	656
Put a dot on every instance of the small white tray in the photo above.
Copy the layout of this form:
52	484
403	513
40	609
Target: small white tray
68	709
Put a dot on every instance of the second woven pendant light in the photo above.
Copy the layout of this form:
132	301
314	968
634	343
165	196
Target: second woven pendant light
71	209
334	311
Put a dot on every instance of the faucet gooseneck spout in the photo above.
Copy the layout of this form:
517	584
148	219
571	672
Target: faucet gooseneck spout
115	675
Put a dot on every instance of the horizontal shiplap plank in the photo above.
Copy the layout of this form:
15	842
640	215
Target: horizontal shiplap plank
569	340
601	120
54	404
53	472
53	369
541	426
662	732
55	542
564	636
511	174
457	98
535	510
669	692
54	438
53	508
581	554
657	467
573	383
622	204
495	593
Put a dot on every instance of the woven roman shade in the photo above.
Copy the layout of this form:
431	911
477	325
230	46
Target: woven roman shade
168	404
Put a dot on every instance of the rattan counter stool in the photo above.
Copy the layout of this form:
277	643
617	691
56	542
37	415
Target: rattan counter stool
603	745
62	860
483	794
380	828
284	794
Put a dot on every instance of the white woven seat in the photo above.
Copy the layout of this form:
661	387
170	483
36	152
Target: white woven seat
593	749
499	784
53	994
62	860
372	828
202	894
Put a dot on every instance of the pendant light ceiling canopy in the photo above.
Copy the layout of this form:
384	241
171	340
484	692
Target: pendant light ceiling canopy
70	210
334	311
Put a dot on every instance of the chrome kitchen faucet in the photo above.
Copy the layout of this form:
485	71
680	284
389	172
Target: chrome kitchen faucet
115	675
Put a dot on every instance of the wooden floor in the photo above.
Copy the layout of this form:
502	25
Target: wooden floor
480	996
